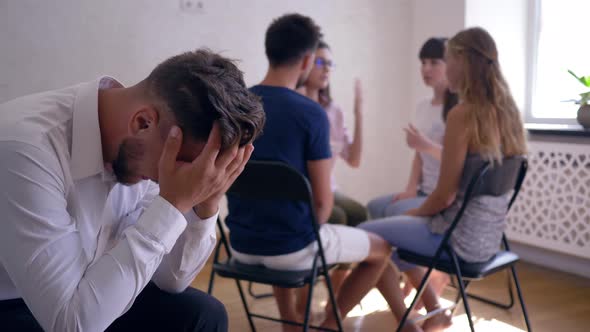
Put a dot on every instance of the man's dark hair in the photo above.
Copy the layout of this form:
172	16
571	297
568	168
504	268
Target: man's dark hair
202	87
289	38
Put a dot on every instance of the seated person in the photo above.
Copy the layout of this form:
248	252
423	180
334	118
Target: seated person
485	125
346	210
279	235
426	139
87	243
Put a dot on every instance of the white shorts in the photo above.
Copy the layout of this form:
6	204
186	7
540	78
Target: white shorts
342	244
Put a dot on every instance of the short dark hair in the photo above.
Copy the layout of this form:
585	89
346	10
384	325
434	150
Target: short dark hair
433	48
289	38
202	87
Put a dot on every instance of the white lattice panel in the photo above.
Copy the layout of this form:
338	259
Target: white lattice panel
553	208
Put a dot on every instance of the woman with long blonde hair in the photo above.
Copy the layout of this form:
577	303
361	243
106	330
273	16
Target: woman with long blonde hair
484	126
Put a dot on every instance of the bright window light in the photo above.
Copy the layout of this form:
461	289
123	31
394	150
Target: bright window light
562	45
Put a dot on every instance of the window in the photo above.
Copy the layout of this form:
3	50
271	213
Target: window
560	42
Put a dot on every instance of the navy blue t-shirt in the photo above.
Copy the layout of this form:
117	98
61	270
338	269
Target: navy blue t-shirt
296	131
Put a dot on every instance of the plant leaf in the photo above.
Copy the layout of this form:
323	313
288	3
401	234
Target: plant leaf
574	75
584	79
585	98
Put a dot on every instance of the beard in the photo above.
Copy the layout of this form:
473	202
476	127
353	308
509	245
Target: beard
125	165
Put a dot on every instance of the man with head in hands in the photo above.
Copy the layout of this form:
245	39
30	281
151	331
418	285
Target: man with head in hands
110	196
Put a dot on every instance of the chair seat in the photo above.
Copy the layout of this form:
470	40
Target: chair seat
260	274
500	261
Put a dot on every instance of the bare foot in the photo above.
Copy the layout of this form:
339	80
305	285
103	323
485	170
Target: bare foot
410	326
438	322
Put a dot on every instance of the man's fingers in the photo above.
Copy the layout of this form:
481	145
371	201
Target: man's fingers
211	149
248	149
171	149
226	157
236	161
247	153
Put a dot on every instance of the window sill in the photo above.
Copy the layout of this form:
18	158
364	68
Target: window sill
557	129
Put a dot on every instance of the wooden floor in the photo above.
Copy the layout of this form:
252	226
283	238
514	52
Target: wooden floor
556	302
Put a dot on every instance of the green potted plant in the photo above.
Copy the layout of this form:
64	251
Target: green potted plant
584	110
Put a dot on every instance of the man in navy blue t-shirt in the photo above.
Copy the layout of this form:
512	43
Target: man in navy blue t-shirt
297	134
279	234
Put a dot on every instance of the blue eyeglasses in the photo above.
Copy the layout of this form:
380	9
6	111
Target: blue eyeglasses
323	63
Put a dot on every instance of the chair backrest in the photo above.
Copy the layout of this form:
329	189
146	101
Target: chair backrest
485	179
497	180
272	180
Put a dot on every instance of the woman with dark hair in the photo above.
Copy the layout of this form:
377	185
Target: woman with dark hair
486	126
346	210
425	137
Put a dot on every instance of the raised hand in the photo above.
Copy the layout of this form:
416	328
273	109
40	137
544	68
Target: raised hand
358	95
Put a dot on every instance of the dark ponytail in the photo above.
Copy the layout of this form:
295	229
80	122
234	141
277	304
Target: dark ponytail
449	101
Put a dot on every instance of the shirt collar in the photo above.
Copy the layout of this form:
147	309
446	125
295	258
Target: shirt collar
86	140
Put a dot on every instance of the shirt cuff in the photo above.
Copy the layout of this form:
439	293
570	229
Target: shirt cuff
162	222
202	225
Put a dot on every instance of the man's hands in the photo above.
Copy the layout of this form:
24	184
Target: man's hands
202	182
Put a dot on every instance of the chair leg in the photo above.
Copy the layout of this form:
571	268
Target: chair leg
308	304
458	297
257	296
333	300
521	299
419	292
462	290
252	327
489	301
211	277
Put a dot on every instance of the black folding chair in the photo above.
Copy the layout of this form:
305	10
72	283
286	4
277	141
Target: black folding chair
267	180
488	180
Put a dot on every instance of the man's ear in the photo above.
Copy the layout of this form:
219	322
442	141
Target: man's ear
145	118
307	62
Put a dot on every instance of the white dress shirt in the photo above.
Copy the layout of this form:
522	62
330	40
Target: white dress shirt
74	244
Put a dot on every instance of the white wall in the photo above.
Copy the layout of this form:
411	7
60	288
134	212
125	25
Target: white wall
423	19
49	44
431	18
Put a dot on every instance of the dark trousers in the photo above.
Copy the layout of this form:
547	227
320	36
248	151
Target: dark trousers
347	211
153	310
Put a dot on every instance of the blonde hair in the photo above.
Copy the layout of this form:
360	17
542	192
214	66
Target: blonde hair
492	108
